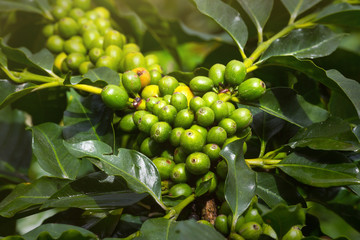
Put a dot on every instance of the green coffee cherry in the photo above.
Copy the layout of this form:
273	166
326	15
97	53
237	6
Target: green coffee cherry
115	52
138	115
196	103
146	122
164	166
103	25
59	12
68	27
150	91
222	169
83	4
212	150
250	230
201	84
150	148
167	85
73	60
76	13
133	60
242	117
216	135
235	236
115	97
74	46
198	163
55	44
220	191
252	89
114	37
179	173
200	129
217	74
220	109
179	101
180	155
231	107
184	118
210	98
131	82
202	221
168	114
175	136
180	190
160	132
48	30
85	67
252	215
293	234
95	54
192	141
229	125
155	77
221	224
151	59
127	124
158	107
235	72
205	116
150	103
106	61
225	209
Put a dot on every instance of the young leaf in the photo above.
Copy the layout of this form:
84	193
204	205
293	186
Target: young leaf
240	183
59	231
281	218
296	7
164	229
316	42
51	154
96	190
139	171
331	78
284	103
157	26
26	195
230	22
275	190
87	118
304	169
341	13
258	10
332	134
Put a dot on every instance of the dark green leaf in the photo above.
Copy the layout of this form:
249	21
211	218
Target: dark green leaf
306	170
230	22
281	218
266	126
96	190
87	118
139	171
156	25
98	76
340	106
275	190
44	59
59	231
26	195
316	42
51	154
258	10
331	78
203	187
332	224
163	229
240	183
10	92
332	134
286	104
340	14
11	5
296	7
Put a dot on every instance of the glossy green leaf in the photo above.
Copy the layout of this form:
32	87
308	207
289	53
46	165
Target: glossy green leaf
139	171
10	92
342	14
316	42
98	76
164	229
26	195
156	25
230	22
332	224
258	11
286	104
50	152
319	174
266	126
240	183
296	7
203	188
331	134
59	231
340	106
275	190
331	78
11	5
87	118
96	190
281	218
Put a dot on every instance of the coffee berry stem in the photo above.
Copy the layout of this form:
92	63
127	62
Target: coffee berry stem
175	211
261	162
87	88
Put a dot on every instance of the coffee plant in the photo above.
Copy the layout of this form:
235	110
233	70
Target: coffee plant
199	119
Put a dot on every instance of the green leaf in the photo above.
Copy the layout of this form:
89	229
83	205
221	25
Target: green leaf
51	154
266	126
163	229
296	7
139	171
59	231
87	118
44	59
331	78
342	14
96	190
340	106
258	11
97	76
26	195
230	22
10	92
11	5
156	25
332	224
304	169
332	134
240	183
281	218
185	77
275	190
203	187
316	42
284	103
